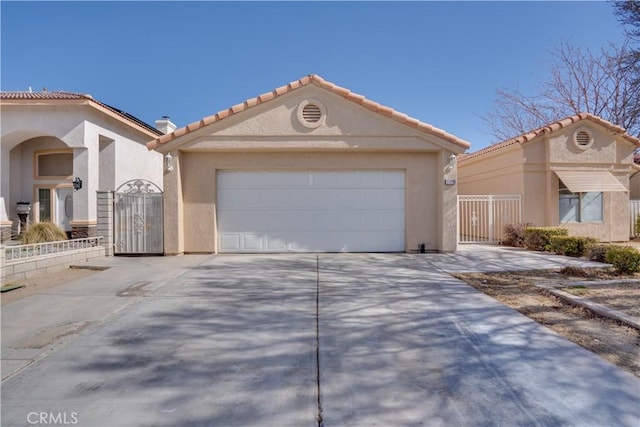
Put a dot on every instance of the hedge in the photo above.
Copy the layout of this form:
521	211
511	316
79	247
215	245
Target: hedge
570	245
598	252
539	238
625	259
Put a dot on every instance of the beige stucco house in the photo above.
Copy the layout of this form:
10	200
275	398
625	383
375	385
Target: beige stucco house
51	138
310	166
572	173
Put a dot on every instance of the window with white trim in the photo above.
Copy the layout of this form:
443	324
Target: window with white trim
579	207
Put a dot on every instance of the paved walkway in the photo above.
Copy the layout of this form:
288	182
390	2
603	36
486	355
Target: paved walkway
238	340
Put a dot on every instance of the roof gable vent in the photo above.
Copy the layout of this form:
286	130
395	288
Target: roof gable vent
583	138
311	113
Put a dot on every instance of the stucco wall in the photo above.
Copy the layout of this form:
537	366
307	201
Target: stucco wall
270	137
198	179
496	173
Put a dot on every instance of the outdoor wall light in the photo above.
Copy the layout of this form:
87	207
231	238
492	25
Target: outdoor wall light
449	173
168	162
453	160
77	183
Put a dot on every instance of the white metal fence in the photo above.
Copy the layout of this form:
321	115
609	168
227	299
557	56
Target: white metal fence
481	218
634	210
17	253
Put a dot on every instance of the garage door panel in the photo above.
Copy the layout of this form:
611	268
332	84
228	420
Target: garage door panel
381	241
382	198
347	179
323	179
240	198
252	242
235	221
345	198
229	242
373	179
393	220
311	211
298	179
230	179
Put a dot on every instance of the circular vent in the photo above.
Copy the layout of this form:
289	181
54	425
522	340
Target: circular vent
583	138
311	113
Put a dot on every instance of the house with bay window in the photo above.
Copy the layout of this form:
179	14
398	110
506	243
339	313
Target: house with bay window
572	173
59	149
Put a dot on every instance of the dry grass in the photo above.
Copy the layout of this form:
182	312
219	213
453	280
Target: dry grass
43	232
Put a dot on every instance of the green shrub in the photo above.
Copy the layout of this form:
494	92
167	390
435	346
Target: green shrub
598	252
570	245
539	238
625	259
43	232
514	234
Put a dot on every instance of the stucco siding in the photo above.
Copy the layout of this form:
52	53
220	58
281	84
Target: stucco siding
199	189
563	149
498	173
342	118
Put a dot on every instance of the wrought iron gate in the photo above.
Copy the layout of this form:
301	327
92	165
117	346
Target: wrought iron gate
481	219
138	218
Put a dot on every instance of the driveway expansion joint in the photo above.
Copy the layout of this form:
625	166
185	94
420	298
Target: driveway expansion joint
319	415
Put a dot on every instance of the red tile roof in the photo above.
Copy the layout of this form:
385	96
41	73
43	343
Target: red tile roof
552	127
61	95
318	81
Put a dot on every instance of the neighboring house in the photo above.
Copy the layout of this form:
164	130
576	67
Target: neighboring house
309	166
572	173
49	139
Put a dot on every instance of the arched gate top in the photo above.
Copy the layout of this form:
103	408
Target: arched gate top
138	186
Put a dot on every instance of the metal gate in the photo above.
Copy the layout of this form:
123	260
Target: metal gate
138	218
481	219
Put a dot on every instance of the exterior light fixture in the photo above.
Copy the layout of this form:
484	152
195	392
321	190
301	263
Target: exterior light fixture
77	183
168	162
453	160
449	174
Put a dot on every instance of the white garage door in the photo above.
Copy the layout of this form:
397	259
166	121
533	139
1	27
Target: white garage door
311	211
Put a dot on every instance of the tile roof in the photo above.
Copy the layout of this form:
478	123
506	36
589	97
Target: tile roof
550	128
62	95
320	82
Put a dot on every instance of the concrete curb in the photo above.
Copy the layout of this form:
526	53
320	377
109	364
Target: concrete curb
599	309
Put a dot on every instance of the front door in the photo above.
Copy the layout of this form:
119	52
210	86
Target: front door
64	209
56	205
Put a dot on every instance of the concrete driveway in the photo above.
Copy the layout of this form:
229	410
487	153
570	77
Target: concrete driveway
361	339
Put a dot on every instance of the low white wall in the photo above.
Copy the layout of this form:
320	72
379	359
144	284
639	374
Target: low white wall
24	269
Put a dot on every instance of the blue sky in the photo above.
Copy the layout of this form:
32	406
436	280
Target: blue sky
440	62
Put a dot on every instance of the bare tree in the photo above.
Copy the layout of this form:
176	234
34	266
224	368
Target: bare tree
578	80
628	12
